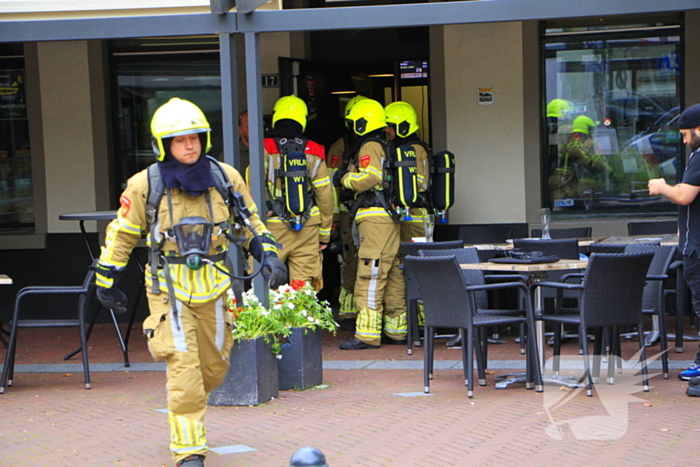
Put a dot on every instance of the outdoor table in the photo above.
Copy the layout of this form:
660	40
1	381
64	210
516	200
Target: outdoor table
123	339
537	272
508	244
662	239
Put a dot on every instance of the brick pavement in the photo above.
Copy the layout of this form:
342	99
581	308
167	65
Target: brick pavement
358	420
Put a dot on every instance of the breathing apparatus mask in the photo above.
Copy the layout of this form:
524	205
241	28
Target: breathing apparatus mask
193	236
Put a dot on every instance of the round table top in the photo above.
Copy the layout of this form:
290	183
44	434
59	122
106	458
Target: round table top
89	216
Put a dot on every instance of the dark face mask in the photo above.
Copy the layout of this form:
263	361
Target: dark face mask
193	236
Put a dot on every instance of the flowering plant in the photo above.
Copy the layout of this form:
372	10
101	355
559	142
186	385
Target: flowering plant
293	305
297	306
252	320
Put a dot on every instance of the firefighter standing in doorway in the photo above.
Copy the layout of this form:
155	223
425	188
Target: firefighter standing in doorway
186	281
339	157
300	212
402	128
379	287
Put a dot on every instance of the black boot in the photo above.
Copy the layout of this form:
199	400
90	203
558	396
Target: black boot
194	460
355	344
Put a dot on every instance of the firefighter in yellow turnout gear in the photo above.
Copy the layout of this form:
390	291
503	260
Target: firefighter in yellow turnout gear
305	233
189	326
379	287
339	156
402	127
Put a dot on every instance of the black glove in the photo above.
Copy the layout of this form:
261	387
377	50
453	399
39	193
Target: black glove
274	271
338	176
110	297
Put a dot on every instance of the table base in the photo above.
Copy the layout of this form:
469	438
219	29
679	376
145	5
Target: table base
503	381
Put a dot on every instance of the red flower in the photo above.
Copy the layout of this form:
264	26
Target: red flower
298	285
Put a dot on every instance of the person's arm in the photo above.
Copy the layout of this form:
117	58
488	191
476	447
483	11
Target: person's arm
124	232
681	193
370	171
323	193
121	237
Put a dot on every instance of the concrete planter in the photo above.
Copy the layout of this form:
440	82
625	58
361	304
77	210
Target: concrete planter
301	366
252	378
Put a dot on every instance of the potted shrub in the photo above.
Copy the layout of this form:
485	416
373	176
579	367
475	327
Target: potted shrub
297	307
252	378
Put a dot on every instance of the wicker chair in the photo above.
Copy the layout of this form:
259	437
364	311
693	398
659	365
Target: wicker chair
654	296
448	301
607	248
412	291
477	277
652	227
611	282
474	234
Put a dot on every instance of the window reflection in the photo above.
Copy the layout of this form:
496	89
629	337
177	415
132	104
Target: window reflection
611	107
16	186
142	88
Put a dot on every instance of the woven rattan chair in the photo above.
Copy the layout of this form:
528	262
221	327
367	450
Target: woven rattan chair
412	291
448	301
474	234
652	227
612	293
654	296
606	248
477	277
565	248
573	232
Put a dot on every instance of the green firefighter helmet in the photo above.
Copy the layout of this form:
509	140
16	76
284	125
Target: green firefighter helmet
403	116
177	117
366	116
290	107
582	124
352	102
558	108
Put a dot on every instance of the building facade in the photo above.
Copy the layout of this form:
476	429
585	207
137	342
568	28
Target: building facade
77	88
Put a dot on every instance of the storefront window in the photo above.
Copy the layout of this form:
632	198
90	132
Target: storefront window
145	80
612	100
16	189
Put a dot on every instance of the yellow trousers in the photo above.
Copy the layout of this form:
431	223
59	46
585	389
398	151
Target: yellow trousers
196	347
380	292
300	252
348	309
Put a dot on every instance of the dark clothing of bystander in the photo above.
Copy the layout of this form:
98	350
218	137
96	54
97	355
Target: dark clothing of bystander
689	231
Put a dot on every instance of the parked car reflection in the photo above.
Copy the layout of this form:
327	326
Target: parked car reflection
659	147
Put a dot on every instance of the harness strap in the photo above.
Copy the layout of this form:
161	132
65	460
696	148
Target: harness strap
173	259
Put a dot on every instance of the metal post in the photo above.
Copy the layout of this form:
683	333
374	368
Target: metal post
255	129
229	114
229	103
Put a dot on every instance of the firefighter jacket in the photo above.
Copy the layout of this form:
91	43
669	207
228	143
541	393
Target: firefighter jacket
192	287
321	213
366	173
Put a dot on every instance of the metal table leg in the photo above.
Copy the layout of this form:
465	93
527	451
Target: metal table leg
559	380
